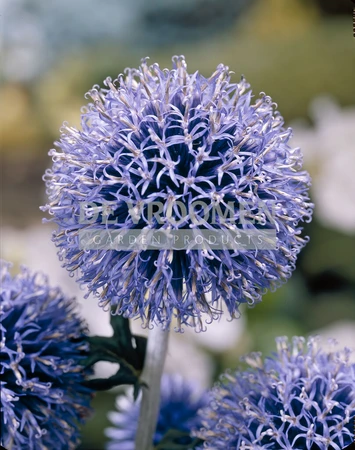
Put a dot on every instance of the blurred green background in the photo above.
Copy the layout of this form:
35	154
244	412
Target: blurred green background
300	52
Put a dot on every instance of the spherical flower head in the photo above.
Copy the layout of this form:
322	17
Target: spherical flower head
179	404
42	346
171	151
300	398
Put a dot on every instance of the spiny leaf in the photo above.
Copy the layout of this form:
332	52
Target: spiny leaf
96	357
119	349
123	376
121	330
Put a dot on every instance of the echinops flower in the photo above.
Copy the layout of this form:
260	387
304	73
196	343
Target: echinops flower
42	347
300	398
168	150
179	403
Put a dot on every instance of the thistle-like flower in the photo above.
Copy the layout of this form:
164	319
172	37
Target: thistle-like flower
42	346
173	151
179	404
300	398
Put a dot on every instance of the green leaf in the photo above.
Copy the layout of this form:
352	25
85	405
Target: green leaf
121	331
120	349
103	384
96	357
103	345
178	440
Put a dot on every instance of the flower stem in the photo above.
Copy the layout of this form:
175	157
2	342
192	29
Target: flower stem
157	347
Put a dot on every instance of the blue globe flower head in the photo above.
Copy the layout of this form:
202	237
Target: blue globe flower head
300	398
172	152
180	402
42	346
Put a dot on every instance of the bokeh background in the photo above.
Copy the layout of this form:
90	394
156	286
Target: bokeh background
301	52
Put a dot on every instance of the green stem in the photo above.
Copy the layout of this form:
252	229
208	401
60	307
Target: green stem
157	347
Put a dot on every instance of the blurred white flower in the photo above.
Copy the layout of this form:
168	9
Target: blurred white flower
188	354
329	155
184	357
188	360
188	351
342	331
221	335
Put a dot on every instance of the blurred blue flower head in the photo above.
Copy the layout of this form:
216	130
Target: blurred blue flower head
42	398
300	398
180	401
170	139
